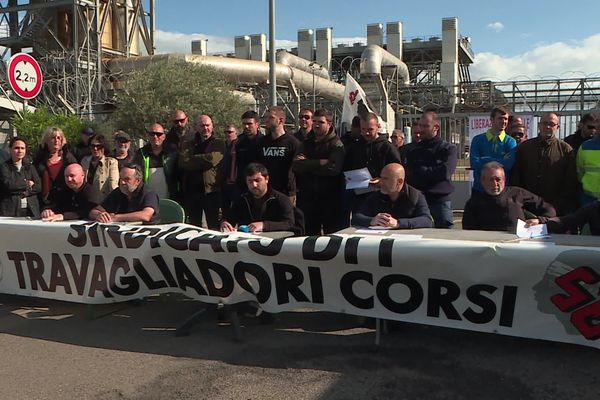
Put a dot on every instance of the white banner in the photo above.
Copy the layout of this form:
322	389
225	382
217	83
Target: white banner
519	289
353	96
481	123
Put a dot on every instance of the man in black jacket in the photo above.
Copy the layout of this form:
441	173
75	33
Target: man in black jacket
261	209
77	201
498	207
396	205
429	168
318	168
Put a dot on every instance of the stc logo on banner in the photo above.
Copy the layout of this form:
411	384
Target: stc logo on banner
570	290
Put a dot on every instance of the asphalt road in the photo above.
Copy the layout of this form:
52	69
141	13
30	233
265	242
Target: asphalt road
55	350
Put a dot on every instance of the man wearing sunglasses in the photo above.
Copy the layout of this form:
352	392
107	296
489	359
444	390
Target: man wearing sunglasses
545	166
178	130
158	164
305	124
587	128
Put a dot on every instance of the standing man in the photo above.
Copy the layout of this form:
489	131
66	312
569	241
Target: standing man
588	163
248	147
398	138
494	145
159	164
372	152
518	132
319	167
200	160
178	130
122	152
545	166
82	148
278	150
429	168
229	190
305	123
587	128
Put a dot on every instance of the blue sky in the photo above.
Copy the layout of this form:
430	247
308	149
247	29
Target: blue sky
510	38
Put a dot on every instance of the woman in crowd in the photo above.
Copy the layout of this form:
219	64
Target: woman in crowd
101	171
51	161
20	183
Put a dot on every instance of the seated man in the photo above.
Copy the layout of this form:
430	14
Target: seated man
396	205
498	207
132	201
571	223
77	201
262	208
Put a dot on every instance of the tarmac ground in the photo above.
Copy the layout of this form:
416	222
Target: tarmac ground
58	350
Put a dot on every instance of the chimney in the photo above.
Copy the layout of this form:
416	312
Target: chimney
242	47
306	38
324	47
258	47
394	38
200	47
375	34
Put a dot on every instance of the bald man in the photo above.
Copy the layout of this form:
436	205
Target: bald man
396	205
75	202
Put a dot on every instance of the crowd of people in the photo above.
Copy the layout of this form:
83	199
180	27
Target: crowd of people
272	179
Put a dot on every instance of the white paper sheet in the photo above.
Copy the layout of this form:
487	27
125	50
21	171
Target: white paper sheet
357	178
531	232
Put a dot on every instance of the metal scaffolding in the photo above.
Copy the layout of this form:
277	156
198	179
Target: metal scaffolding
72	39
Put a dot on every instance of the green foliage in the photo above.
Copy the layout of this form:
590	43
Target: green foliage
150	95
33	125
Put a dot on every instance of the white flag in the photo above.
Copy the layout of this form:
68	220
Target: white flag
356	103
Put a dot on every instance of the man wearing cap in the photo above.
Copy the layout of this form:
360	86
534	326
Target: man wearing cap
82	148
122	151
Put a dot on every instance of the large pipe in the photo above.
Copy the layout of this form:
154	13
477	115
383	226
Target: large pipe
240	71
286	58
374	57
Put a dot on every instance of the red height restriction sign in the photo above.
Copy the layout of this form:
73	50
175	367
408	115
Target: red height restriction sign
24	75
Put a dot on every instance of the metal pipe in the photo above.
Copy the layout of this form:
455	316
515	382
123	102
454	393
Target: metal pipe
239	71
272	73
286	58
374	57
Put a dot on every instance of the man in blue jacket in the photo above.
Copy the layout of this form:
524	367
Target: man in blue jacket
494	145
429	168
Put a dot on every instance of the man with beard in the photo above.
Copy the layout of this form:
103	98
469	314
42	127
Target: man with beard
261	209
77	201
318	167
278	150
396	205
132	201
178	131
248	146
499	207
122	152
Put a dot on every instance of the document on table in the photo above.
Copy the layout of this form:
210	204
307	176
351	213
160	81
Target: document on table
535	231
357	178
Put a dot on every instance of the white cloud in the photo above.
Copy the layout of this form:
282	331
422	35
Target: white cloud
552	60
496	26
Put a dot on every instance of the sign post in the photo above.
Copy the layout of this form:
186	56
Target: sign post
25	76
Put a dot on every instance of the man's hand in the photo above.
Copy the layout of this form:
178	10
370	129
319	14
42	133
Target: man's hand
47	213
374	182
300	157
256	226
385	220
531	222
227	227
105	217
54	218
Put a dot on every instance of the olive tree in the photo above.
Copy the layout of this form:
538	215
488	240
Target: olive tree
152	93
